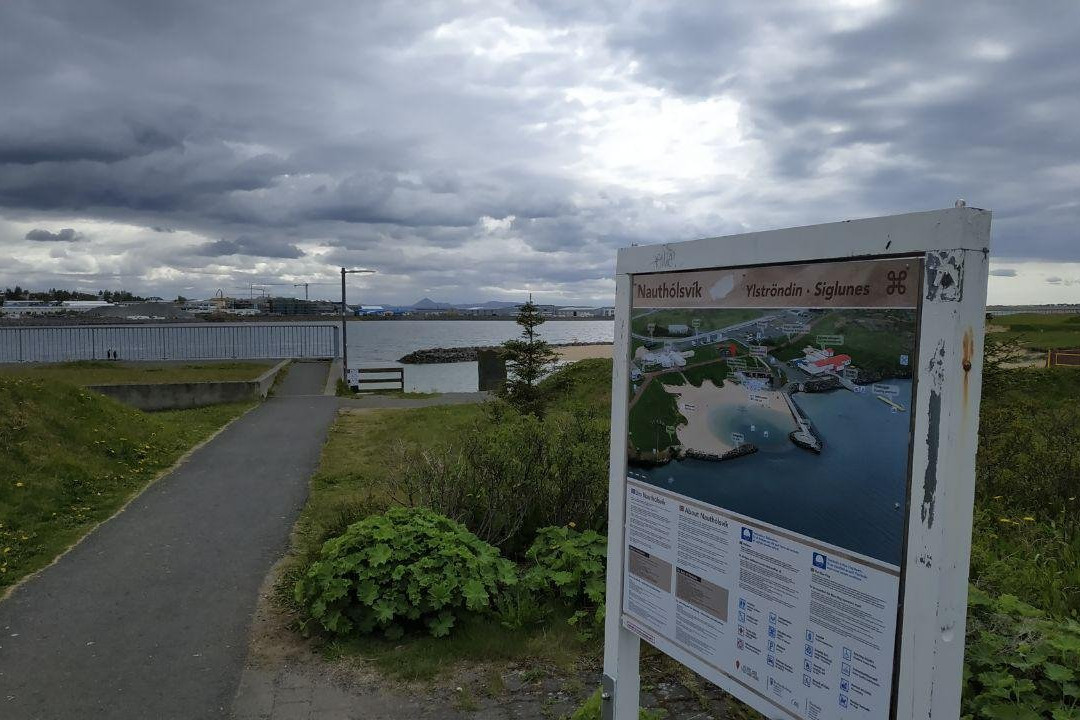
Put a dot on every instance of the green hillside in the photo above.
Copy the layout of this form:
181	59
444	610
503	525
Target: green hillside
69	458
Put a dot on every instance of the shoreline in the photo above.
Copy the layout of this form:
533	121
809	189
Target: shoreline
697	403
85	319
568	352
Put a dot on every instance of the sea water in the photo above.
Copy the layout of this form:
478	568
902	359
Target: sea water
851	495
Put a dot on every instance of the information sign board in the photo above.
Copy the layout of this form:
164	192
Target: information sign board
792	544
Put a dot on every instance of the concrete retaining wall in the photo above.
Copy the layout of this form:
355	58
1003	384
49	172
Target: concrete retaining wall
180	396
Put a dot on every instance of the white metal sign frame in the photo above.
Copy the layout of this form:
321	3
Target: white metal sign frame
954	245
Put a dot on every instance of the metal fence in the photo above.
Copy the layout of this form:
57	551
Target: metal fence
167	342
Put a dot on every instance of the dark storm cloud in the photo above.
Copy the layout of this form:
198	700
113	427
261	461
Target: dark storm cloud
247	245
456	144
976	109
64	235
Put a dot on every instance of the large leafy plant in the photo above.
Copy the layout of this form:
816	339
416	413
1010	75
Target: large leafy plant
568	566
1019	663
409	567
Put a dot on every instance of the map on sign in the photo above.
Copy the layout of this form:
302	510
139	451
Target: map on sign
767	471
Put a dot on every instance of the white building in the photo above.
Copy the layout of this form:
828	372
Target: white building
817	361
665	358
572	311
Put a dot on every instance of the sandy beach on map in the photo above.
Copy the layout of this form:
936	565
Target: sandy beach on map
697	405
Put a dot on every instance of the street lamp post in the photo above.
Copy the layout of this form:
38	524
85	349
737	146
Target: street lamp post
344	330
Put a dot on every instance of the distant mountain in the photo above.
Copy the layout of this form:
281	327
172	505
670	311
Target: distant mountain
429	304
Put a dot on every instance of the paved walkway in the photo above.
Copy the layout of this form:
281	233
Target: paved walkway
148	617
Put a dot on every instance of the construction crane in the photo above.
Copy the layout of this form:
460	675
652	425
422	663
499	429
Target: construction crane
306	284
250	287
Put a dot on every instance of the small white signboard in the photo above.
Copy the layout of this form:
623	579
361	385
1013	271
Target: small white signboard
889	391
758	398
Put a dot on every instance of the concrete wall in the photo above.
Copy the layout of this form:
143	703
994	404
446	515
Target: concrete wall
180	396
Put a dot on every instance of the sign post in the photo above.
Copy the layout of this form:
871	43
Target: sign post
803	541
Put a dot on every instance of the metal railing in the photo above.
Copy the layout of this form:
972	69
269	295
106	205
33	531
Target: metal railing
393	376
168	342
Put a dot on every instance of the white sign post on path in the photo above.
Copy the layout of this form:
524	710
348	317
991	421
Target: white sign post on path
817	567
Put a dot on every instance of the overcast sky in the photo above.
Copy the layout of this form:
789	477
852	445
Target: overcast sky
472	151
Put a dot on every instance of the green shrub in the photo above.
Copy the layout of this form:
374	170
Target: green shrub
590	710
1036	559
1026	538
568	566
1019	663
512	474
409	567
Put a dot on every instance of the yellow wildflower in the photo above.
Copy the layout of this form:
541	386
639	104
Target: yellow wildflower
1028	518
18	484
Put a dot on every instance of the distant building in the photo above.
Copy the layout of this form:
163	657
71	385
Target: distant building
572	311
665	357
486	311
19	308
817	361
296	306
200	306
372	310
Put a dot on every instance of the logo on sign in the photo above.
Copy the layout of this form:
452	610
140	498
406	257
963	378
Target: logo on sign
820	561
747	535
896	282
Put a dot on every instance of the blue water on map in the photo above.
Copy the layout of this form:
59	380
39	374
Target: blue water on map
761	426
851	495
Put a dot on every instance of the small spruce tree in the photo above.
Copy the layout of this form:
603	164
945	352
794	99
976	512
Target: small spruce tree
528	359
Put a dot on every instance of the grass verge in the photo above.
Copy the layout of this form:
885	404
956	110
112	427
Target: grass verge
69	458
346	488
1038	332
422	657
102	372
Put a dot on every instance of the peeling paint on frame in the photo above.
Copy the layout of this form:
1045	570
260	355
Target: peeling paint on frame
945	275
